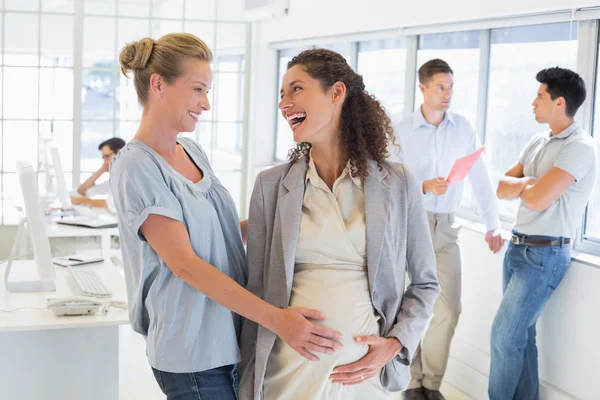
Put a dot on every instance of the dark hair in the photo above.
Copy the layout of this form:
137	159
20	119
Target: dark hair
432	67
365	127
115	144
562	82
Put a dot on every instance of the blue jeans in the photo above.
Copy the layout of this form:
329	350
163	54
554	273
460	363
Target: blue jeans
531	274
214	384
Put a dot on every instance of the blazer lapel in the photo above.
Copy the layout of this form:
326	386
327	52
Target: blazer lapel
377	210
290	213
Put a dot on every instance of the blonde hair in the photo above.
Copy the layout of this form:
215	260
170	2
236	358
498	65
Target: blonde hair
163	57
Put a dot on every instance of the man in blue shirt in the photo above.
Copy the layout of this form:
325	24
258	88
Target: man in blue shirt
553	178
431	139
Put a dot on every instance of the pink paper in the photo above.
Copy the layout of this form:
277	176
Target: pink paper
462	166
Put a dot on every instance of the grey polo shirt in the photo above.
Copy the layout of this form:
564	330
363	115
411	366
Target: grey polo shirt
573	151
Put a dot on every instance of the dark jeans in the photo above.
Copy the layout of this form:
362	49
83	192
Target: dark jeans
214	384
531	274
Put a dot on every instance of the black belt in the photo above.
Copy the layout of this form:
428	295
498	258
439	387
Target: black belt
518	240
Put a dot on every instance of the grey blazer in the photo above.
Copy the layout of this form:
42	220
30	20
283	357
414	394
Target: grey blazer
398	242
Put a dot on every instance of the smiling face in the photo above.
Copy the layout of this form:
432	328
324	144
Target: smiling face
310	110
437	91
184	100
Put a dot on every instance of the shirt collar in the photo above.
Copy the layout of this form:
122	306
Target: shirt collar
419	120
571	129
313	177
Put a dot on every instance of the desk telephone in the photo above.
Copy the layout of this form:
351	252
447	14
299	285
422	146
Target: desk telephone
69	306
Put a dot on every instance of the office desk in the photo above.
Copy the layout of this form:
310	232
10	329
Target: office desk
66	231
62	358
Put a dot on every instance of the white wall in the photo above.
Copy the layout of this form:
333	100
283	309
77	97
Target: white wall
315	18
569	354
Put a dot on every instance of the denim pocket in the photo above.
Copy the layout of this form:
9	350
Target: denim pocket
534	256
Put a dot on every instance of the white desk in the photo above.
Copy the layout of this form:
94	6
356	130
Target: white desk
65	231
64	358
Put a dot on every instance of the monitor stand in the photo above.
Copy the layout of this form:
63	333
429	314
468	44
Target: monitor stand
24	286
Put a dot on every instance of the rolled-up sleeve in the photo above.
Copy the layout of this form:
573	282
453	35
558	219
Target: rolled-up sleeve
141	190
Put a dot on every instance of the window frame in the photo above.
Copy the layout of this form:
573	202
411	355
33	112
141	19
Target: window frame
587	67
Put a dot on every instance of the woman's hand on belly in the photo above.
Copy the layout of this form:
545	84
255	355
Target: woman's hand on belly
304	336
381	351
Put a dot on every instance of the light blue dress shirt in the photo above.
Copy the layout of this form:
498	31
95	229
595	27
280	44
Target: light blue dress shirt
185	331
430	152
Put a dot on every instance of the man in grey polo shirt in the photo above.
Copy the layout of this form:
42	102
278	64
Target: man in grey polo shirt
553	178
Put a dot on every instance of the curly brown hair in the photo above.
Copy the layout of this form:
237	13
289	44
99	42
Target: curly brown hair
365	126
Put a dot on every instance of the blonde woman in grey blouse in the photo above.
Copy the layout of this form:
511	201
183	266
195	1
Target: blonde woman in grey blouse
181	237
337	228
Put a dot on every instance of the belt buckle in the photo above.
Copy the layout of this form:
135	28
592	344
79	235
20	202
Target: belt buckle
518	240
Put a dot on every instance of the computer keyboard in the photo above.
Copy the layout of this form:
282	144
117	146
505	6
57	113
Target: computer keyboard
88	282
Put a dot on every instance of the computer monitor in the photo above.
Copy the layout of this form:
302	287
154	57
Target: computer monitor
63	193
34	219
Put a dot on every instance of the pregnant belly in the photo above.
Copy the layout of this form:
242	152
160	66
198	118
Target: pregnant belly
342	295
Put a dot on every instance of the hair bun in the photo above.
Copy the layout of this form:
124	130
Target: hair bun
135	55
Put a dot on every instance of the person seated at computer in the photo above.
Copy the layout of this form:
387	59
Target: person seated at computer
88	189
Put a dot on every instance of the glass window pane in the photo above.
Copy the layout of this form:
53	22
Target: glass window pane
61	134
227	154
229	96
100	7
56	93
11	199
20	144
134	9
461	51
99	42
93	133
203	135
57	40
1	34
592	226
53	6
21	39
168	9
382	64
131	30
128	107
204	30
97	94
22	5
159	28
195	9
517	55
231	36
126	130
345	49
21	89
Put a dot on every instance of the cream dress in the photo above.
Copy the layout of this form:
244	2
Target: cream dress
330	275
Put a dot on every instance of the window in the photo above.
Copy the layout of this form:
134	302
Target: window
516	55
461	51
591	231
382	64
37	58
37	83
